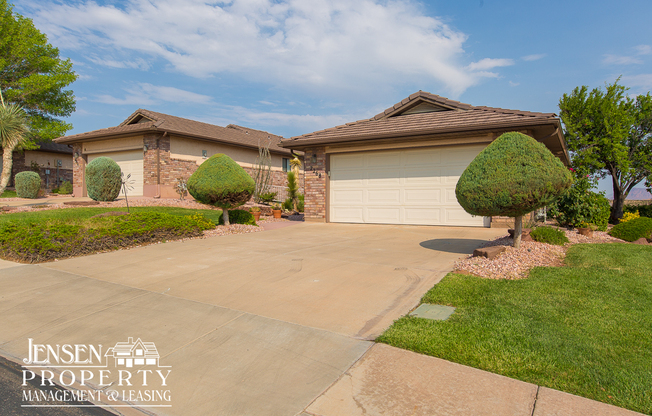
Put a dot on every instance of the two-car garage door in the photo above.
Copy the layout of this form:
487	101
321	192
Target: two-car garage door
400	187
130	162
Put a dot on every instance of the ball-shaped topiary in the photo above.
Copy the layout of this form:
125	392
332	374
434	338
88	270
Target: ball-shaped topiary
103	179
512	176
28	184
221	182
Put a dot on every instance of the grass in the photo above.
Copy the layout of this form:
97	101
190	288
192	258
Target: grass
9	194
584	328
38	236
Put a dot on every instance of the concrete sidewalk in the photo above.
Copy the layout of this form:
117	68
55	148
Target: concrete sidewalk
271	323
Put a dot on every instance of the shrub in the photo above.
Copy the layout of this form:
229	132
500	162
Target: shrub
28	184
287	204
633	230
221	182
239	216
581	205
643	210
627	216
65	188
267	197
103	179
549	235
301	202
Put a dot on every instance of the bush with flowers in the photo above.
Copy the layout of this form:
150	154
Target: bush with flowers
580	205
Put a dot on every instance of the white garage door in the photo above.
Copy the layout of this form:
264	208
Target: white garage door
401	187
130	162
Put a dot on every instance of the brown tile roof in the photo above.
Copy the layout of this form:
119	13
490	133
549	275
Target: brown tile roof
144	121
391	123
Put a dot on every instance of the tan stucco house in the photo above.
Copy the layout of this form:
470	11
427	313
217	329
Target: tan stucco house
157	149
402	165
52	160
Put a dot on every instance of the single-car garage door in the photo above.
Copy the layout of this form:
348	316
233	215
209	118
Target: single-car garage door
130	162
401	187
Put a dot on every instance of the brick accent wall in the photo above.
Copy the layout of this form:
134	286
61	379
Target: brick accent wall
48	181
315	184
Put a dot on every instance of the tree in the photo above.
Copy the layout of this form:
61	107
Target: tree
512	176
13	132
33	76
293	189
609	134
221	182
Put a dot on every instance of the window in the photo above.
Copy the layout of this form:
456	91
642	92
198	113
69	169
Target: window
286	164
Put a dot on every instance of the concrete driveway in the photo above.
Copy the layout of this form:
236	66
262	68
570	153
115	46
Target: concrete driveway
250	324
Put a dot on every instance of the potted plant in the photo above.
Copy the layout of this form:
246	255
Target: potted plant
255	211
585	229
277	211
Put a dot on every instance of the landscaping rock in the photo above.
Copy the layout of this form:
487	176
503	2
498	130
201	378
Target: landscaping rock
8	208
110	214
489	252
81	203
643	241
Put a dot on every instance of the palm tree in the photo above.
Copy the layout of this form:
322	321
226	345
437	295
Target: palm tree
13	132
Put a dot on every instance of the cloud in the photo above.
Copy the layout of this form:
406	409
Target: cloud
620	60
328	46
642	80
514	84
643	49
144	94
535	57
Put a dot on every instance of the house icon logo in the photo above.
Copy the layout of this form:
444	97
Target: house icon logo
130	353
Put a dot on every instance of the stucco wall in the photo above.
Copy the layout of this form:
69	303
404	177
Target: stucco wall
113	145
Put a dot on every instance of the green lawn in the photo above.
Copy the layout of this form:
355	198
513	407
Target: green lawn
585	328
9	194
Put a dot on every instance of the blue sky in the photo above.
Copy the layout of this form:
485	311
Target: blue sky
292	67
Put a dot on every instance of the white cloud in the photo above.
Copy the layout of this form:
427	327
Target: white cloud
489	63
514	84
620	60
144	94
643	49
642	80
534	57
325	45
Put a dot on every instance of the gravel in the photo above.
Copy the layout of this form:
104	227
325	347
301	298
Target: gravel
516	263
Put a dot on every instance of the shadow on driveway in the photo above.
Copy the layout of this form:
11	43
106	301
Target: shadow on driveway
452	245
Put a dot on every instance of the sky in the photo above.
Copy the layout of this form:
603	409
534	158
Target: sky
292	67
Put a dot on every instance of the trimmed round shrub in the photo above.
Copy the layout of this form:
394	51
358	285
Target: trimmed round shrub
28	184
633	230
221	182
238	216
512	176
103	179
549	235
581	205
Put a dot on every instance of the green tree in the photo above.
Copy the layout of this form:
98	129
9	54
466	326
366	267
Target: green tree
33	76
512	176
609	134
293	189
13	132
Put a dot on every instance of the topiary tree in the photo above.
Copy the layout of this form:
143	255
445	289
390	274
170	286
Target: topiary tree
28	184
221	182
103	179
512	176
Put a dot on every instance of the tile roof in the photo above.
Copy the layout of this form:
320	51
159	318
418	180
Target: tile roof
145	121
454	117
54	147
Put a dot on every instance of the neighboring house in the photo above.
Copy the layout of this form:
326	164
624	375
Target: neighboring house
156	149
402	166
130	353
53	161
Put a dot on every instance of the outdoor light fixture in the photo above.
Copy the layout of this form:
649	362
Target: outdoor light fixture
204	154
313	159
144	148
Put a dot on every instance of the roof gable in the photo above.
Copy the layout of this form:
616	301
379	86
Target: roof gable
422	102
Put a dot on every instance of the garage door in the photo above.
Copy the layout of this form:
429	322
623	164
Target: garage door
130	162
400	187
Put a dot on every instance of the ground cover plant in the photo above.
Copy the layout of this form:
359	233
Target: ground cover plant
9	194
549	235
39	236
633	229
582	328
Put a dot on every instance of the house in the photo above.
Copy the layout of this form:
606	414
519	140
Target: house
402	165
52	161
130	353
156	149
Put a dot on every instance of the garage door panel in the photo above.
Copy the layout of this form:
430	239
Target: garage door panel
415	186
384	196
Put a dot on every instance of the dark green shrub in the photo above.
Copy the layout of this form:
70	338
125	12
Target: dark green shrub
103	179
221	182
65	188
28	184
267	197
632	230
643	210
512	176
579	204
301	202
549	235
287	204
239	216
